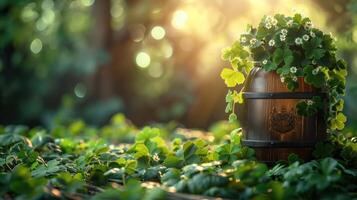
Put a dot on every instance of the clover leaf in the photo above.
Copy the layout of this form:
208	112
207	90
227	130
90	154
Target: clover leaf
339	122
316	79
281	55
231	77
236	50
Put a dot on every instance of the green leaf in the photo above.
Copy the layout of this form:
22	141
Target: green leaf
297	18
281	55
339	122
288	57
237	97
294	158
141	150
318	53
278	56
283	71
10	138
317	80
328	165
232	118
189	149
52	167
231	77
323	150
173	161
147	133
270	66
236	50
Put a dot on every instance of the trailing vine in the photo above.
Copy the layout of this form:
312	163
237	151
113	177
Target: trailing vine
291	47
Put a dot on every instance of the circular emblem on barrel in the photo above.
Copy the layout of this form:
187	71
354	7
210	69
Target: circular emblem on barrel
282	121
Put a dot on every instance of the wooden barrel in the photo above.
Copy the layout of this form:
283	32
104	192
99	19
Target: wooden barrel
270	121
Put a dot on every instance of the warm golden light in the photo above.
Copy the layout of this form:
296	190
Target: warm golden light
143	59
158	32
179	19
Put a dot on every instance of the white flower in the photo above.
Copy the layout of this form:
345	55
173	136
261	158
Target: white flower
305	37
282	79
253	41
271	43
243	39
294	78
290	23
293	70
313	62
284	31
312	34
269	19
268	25
308	25
265	61
315	71
282	37
184	177
298	41
274	22
156	157
310	102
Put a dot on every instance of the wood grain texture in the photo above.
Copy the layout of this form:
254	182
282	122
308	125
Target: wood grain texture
274	121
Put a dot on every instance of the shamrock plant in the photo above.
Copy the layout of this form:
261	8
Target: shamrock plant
35	164
291	47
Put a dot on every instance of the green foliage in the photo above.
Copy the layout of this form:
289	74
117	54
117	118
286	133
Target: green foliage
231	77
291	47
222	129
36	164
41	46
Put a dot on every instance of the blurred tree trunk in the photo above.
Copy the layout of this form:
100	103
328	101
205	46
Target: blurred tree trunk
116	78
101	83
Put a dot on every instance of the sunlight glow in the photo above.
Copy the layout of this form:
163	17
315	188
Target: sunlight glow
143	59
201	28
158	32
179	19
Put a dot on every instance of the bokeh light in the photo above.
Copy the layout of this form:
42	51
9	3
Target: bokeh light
137	32
143	59
179	19
36	46
165	44
117	12
87	2
167	50
158	32
80	90
156	70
